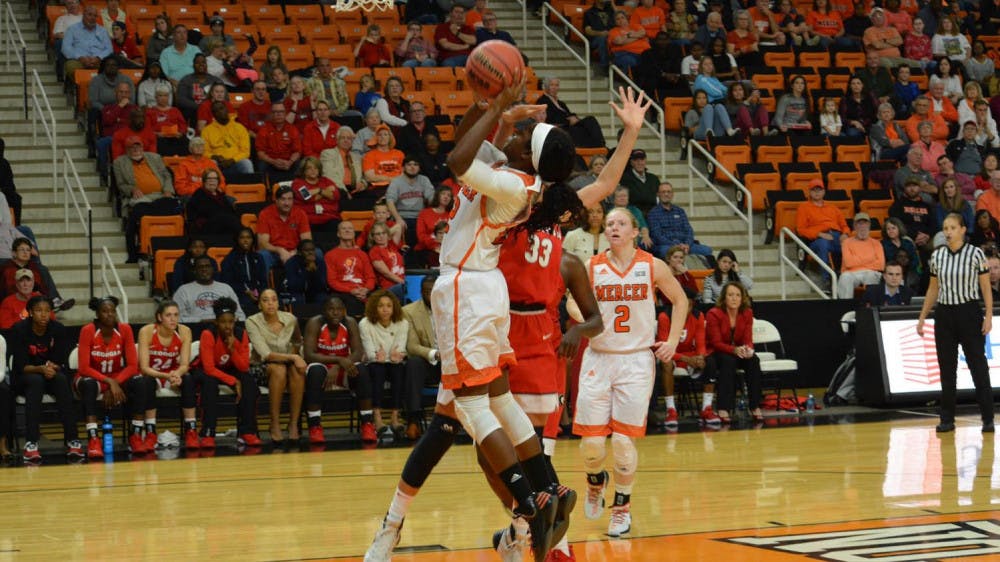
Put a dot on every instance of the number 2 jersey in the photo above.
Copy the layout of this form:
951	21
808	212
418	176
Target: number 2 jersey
627	303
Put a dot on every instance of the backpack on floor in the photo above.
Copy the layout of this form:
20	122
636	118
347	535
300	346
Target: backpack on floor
841	389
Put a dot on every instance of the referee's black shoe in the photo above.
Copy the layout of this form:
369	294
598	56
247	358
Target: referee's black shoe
945	427
988	427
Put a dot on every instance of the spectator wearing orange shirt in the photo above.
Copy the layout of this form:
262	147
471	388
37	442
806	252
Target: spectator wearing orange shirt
826	23
253	113
279	146
863	260
921	113
765	25
822	226
895	17
990	200
885	41
188	173
320	133
626	42
474	17
650	17
383	162
280	227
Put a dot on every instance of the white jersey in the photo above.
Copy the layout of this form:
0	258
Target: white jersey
627	303
493	198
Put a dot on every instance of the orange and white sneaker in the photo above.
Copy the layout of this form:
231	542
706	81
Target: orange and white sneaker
621	520
671	420
708	417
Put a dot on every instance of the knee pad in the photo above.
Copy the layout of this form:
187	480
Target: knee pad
429	450
625	454
476	417
593	450
513	419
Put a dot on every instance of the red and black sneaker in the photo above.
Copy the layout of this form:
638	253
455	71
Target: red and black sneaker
95	448
671	420
249	440
136	445
150	441
74	449
316	435
368	434
208	442
560	556
31	453
191	440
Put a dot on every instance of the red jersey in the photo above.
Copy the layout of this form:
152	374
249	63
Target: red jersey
333	345
692	340
101	359
165	357
392	259
532	268
205	111
216	359
301	109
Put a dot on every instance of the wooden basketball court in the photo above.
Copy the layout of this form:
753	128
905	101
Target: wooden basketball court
859	491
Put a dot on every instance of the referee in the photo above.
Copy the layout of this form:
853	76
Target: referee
959	277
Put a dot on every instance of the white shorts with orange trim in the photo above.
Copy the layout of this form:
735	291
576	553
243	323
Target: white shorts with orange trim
614	393
472	321
537	403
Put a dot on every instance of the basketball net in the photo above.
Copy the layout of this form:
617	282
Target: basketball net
366	5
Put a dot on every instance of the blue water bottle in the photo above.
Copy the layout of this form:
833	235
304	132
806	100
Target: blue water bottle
810	404
109	437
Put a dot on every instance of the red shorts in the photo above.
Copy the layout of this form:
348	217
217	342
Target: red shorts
535	339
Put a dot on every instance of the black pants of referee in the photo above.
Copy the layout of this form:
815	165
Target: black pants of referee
954	325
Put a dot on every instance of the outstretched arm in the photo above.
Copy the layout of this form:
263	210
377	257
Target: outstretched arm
631	113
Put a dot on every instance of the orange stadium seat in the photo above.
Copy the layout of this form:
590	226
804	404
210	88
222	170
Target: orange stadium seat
758	179
297	56
454	104
673	113
771	149
143	17
153	226
339	55
852	61
447	132
247	193
403	73
249	220
815	60
811	148
358	218
241	29
436	78
265	15
82	78
383	17
236	99
218	254
779	59
842	175
305	14
280	34
191	16
730	155
876	208
135	74
783	211
232	13
317	33
394	34
351	34
52	13
163	263
426	98
588	154
797	176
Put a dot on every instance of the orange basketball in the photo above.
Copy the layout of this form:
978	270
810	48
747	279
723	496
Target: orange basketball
493	66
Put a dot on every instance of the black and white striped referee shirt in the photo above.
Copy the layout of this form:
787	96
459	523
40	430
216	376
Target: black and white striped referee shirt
958	273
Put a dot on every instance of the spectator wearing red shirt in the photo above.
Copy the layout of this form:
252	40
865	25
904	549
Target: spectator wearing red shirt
430	216
729	332
217	92
124	47
387	261
454	39
114	116
372	49
280	227
279	146
298	105
691	354
14	308
165	120
317	196
321	133
349	271
136	127
253	113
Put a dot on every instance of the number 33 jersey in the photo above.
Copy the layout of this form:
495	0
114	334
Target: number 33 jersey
626	300
531	266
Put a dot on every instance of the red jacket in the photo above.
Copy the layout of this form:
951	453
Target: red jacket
313	141
349	268
213	349
692	338
717	331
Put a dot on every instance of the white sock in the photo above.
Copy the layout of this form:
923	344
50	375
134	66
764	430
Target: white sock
706	399
91	425
549	446
150	421
136	423
563	546
670	402
187	420
314	413
520	527
399	506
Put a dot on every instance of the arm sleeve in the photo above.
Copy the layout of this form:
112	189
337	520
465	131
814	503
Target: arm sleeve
368	273
714	336
779	110
257	340
241	353
399	340
388	118
500	186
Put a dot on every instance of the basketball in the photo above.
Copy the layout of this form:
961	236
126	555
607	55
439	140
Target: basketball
493	66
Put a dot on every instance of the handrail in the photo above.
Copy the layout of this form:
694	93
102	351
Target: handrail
8	29
48	119
785	260
108	264
72	185
746	217
657	129
585	59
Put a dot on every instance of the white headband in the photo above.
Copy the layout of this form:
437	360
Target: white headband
538	136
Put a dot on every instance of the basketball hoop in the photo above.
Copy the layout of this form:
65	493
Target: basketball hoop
366	5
